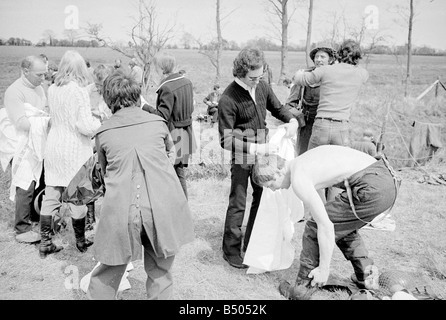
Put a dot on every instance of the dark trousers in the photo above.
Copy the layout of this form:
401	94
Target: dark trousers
180	170
304	137
374	192
24	206
232	238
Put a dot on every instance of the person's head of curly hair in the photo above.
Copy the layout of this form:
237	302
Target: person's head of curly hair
247	59
349	52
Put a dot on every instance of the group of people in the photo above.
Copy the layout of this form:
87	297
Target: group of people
319	108
143	152
58	130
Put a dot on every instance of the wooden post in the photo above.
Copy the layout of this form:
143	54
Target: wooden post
436	87
380	144
427	90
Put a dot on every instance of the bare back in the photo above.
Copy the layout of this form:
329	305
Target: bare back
327	165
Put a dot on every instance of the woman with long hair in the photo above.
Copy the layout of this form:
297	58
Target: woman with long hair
68	146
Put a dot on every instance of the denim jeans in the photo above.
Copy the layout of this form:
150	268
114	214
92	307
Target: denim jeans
232	238
373	192
329	132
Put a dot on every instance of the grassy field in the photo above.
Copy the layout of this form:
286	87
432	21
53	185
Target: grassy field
417	246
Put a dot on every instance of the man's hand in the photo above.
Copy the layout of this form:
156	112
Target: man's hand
290	127
320	276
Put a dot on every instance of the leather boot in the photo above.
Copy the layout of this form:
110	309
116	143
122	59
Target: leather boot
46	233
301	290
90	219
79	232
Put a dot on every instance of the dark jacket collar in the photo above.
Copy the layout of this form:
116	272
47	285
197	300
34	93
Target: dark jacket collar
128	117
172	77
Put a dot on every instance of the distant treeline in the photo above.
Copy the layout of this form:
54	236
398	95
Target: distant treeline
54	43
262	43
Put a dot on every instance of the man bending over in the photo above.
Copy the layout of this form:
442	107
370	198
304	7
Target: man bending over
369	188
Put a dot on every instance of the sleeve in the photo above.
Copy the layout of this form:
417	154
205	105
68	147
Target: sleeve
166	101
231	139
15	108
86	123
294	96
170	147
309	78
102	160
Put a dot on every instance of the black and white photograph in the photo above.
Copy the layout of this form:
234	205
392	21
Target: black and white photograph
223	155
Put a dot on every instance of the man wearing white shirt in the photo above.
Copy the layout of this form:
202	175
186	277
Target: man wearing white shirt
243	131
26	89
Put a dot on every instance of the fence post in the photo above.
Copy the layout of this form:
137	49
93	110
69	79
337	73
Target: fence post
379	145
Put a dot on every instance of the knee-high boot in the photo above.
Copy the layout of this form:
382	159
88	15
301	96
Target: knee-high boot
79	232
90	219
46	244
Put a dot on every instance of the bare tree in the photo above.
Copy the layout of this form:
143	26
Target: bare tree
71	34
279	9
49	35
147	38
409	48
309	27
214	50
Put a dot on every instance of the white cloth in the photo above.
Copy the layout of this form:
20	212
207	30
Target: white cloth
124	285
27	163
270	245
382	222
8	139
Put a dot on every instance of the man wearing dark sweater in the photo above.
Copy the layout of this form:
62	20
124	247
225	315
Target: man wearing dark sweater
243	131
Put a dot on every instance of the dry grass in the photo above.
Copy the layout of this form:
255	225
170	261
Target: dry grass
417	246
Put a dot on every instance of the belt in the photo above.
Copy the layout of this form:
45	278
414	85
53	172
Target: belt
331	119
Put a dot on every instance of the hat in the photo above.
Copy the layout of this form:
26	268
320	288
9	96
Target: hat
331	52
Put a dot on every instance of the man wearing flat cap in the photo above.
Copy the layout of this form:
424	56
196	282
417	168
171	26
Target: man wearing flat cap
305	99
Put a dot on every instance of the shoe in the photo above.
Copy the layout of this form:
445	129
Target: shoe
46	232
79	232
28	237
363	294
236	263
301	290
359	284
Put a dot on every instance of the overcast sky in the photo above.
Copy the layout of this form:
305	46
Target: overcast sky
247	19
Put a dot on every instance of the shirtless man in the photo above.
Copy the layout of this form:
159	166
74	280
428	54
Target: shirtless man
374	189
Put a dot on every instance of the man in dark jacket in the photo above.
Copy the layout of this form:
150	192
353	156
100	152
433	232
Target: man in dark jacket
175	103
243	131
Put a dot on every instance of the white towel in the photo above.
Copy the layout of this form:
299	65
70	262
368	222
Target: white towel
270	245
27	163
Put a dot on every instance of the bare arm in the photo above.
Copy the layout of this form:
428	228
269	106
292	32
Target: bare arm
304	189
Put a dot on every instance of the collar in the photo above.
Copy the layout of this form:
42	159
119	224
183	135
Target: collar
27	83
128	117
242	84
172	77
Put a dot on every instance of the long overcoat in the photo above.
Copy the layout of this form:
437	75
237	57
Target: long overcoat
141	190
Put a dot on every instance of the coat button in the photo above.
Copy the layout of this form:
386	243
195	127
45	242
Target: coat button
137	206
137	196
138	186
